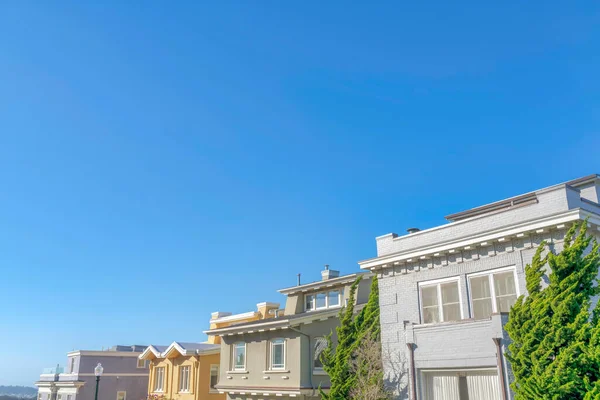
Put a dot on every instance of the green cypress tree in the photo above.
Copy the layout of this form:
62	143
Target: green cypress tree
336	358
554	350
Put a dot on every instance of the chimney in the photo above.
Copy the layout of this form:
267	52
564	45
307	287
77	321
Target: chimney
329	273
412	230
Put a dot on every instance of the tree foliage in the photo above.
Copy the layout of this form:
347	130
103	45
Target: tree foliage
349	363
554	352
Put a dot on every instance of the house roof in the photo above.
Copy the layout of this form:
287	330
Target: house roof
182	348
316	285
522	199
283	322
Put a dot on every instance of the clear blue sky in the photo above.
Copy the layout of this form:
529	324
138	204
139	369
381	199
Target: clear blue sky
160	161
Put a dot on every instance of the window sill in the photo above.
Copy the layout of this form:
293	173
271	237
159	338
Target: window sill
319	372
238	372
276	371
213	391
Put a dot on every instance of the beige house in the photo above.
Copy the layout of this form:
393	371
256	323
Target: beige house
279	357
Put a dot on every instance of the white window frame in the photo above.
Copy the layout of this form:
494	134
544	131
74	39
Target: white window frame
271	345
490	273
144	365
235	367
212	368
184	388
438	283
159	388
317	370
124	394
327	305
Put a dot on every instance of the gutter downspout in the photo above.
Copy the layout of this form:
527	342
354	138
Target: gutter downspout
413	377
310	371
500	366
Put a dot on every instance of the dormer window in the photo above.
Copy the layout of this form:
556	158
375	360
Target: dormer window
323	300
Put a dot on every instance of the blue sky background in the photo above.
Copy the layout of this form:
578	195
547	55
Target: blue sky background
160	161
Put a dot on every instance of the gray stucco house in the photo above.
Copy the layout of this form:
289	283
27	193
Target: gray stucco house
279	357
445	291
124	377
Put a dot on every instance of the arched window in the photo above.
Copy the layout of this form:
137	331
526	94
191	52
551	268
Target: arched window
320	345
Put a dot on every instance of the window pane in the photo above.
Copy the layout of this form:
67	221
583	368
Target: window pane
504	283
482	308
333	298
449	292
320	345
505	302
480	287
310	302
431	314
277	356
429	296
451	312
321	302
240	356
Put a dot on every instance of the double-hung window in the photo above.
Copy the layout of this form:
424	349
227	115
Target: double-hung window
122	395
159	379
493	291
322	300
184	378
239	356
278	354
440	301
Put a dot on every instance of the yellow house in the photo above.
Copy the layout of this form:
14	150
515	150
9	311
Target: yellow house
190	371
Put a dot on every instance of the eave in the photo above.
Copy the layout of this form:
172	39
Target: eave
484	238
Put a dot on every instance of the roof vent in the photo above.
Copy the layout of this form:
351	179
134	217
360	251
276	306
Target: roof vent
412	230
329	273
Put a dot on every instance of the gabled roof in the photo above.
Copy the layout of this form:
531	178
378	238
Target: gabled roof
181	348
152	351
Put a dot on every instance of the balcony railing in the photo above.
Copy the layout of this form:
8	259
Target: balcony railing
53	371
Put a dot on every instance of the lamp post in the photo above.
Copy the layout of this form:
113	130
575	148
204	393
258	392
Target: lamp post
98	372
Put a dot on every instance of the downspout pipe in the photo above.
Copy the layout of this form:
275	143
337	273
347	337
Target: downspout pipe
413	376
310	371
498	343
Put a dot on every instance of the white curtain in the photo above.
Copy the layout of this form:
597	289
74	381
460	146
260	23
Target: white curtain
442	387
483	387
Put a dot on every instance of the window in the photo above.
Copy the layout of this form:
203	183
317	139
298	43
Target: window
239	356
71	365
320	345
121	395
310	302
159	378
214	376
39	396
59	397
184	378
141	363
492	292
323	300
69	397
278	354
440	301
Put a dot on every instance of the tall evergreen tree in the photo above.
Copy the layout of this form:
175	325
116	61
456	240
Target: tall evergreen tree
339	361
554	351
336	358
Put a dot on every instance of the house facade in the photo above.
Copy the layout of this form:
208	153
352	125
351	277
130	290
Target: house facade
125	377
445	292
190	371
279	357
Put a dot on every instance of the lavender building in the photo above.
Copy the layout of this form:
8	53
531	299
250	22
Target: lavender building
125	377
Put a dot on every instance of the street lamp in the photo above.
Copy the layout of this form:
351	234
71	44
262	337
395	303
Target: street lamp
98	372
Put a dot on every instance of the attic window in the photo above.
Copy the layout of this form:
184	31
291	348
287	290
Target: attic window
323	300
